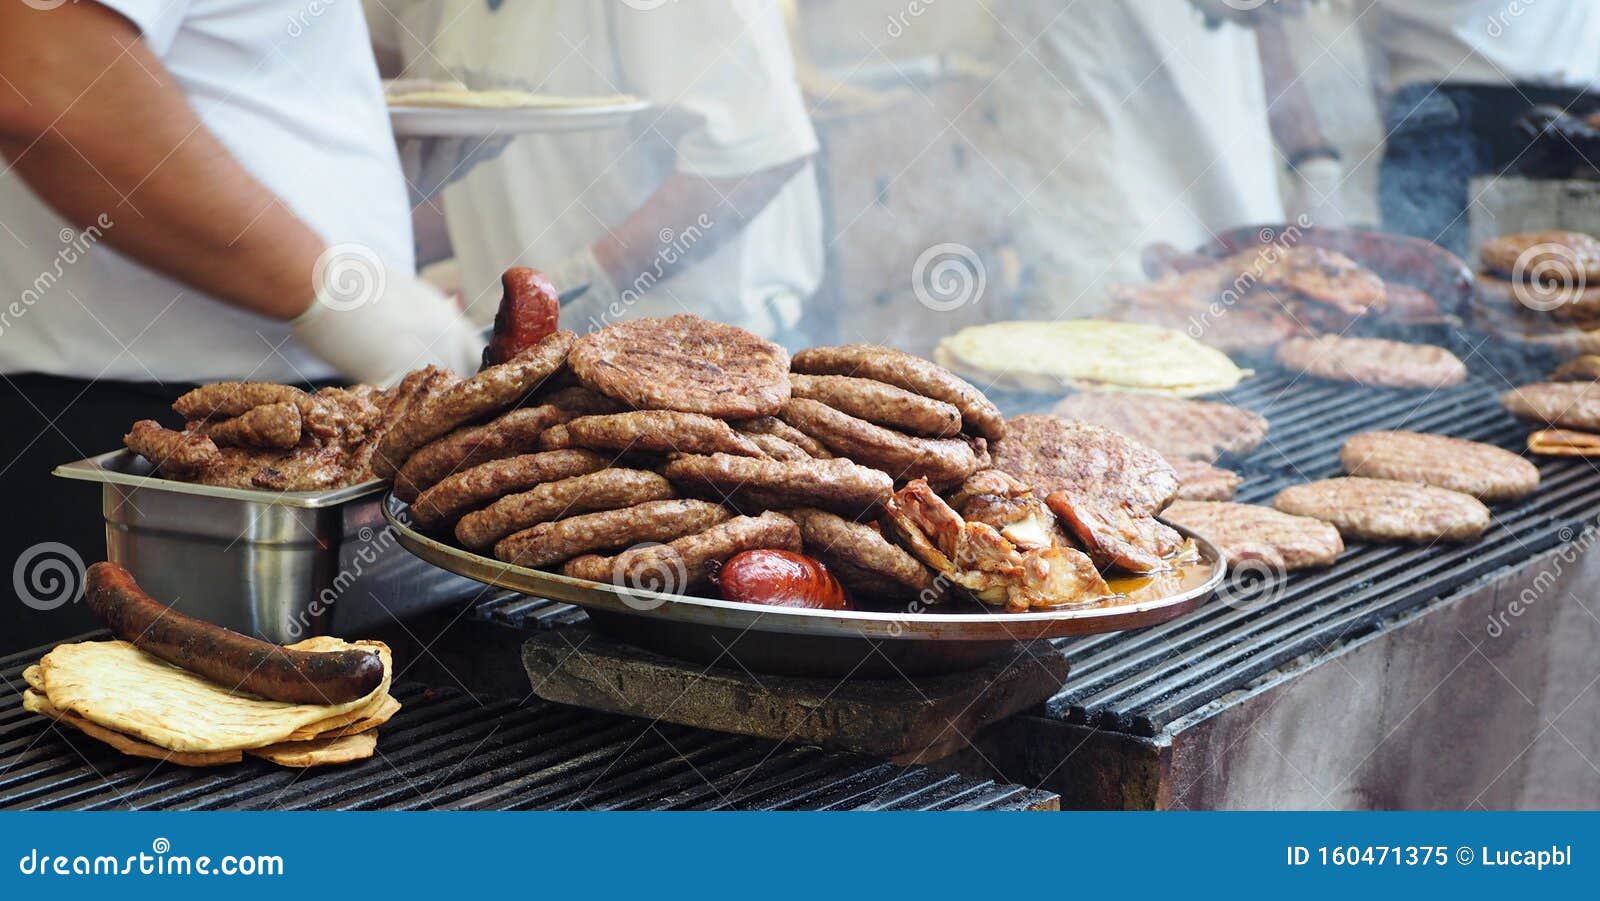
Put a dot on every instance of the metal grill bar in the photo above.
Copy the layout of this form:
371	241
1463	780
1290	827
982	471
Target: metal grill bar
451	750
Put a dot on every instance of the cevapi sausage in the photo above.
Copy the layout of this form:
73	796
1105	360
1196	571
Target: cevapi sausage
232	660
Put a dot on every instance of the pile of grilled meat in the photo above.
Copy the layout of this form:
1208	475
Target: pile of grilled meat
654	453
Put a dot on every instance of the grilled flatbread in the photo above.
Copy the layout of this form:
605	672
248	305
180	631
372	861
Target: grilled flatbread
1088	354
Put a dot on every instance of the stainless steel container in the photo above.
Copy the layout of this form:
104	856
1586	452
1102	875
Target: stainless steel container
279	565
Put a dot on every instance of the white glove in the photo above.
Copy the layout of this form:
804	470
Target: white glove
430	164
374	325
1315	192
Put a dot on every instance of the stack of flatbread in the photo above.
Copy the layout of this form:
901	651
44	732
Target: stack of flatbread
113	692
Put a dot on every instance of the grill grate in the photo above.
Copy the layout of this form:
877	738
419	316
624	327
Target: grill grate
451	750
1142	681
1139	682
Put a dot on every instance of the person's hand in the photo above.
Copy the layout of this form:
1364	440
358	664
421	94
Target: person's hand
430	164
1314	192
374	325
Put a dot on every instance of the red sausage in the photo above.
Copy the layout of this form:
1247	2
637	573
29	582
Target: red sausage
780	579
530	310
231	660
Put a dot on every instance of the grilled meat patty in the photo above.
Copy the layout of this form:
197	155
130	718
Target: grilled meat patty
1177	427
777	428
471	489
1106	487
688	561
837	485
1484	471
1566	405
1202	481
1585	368
880	403
549	543
607	489
1569	257
1376	362
902	370
1381	510
903	457
1248	532
685	363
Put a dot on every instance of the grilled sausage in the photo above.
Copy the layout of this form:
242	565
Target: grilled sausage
529	310
779	578
232	660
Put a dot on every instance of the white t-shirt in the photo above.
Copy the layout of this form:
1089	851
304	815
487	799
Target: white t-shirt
1132	123
1544	42
728	104
291	89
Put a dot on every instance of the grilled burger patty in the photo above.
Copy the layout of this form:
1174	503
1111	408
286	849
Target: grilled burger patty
1574	258
1484	471
1249	532
1567	405
1202	481
685	363
1177	427
1381	510
1375	362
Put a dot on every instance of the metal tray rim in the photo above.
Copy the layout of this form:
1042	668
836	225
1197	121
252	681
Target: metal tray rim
852	623
98	469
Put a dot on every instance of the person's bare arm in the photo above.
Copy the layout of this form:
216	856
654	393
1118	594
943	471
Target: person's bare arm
701	215
1290	112
95	125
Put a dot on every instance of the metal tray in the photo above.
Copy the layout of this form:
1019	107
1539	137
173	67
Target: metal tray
280	565
807	642
455	121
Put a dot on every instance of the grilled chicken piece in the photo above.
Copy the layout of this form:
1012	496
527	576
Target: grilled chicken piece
1005	504
978	556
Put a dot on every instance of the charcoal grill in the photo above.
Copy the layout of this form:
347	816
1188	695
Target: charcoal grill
448	749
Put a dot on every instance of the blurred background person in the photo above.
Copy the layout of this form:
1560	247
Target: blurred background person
1144	122
707	203
1458	76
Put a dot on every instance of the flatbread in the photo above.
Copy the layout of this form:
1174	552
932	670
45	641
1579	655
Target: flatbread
381	711
320	751
1088	354
35	702
119	687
